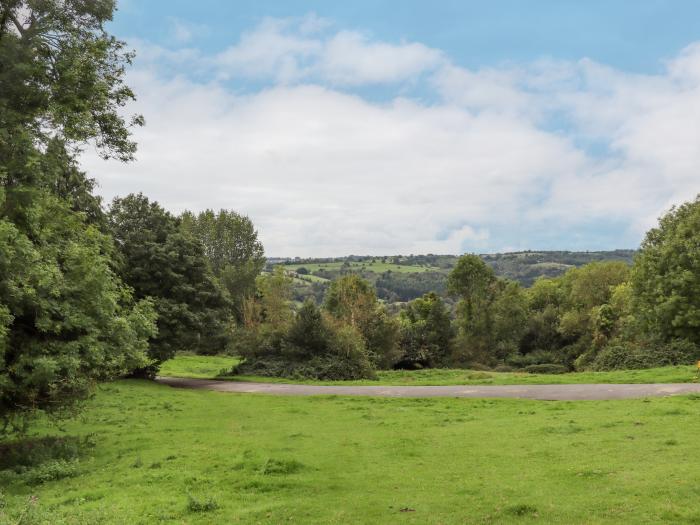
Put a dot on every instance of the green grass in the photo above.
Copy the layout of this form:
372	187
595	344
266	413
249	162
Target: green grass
211	367
376	266
198	366
166	455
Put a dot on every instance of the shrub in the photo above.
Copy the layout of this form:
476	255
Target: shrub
52	471
314	347
281	467
630	356
546	368
201	505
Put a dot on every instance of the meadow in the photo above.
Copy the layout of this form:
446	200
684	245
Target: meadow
218	367
162	455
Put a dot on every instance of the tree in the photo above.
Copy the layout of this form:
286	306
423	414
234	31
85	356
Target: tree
471	280
509	314
66	320
275	292
426	332
666	276
474	283
352	300
232	248
162	262
62	75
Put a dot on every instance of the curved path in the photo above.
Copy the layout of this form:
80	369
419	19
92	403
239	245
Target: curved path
543	392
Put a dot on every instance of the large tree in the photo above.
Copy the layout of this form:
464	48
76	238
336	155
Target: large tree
161	262
66	321
666	276
425	333
352	300
232	247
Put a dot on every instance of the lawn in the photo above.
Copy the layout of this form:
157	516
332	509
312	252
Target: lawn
211	367
166	455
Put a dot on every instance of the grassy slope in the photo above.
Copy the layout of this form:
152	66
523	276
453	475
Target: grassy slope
374	266
351	460
211	366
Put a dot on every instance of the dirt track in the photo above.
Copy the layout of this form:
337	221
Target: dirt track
543	392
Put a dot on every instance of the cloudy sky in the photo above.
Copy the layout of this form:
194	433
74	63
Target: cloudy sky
443	126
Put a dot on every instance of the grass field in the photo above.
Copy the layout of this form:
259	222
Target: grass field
211	367
166	455
376	266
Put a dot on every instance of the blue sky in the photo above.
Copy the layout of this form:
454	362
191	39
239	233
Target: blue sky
444	126
630	34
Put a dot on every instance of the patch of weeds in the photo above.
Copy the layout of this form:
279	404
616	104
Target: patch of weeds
592	474
155	464
170	457
479	375
195	504
263	486
281	467
674	412
52	471
670	442
27	453
85	498
138	463
570	429
522	509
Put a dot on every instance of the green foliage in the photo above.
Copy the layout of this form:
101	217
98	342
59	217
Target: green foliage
666	276
352	300
311	347
195	504
161	262
425	333
626	355
62	74
52	471
275	293
67	321
232	248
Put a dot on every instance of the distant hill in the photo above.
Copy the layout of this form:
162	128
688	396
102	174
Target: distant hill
401	278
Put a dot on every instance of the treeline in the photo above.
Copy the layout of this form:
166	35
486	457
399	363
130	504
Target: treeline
89	293
603	315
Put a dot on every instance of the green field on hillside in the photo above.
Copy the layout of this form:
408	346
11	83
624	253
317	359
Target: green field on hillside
163	455
376	266
213	367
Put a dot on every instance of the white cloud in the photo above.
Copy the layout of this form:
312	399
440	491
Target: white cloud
291	50
324	171
183	31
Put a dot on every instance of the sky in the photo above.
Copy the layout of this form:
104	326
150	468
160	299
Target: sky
377	127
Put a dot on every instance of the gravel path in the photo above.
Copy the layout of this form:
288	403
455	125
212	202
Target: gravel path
543	392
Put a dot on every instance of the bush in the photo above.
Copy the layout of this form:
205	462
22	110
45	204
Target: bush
546	368
630	356
52	471
325	368
313	347
201	505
